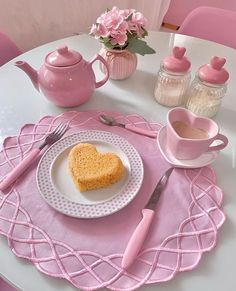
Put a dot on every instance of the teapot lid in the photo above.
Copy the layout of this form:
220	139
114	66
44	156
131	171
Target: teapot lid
63	57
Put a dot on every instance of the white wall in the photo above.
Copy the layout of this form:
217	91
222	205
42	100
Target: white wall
33	22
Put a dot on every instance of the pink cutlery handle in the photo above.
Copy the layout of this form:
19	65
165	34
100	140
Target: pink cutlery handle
142	131
136	241
19	169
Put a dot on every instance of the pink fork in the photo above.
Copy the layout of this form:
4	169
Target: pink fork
54	136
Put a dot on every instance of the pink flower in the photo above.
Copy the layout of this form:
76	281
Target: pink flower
137	23
99	30
119	35
122	28
111	19
138	19
116	25
118	39
126	12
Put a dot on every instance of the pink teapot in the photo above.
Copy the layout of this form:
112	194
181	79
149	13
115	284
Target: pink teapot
65	78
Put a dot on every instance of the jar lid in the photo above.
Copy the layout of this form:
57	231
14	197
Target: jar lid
63	57
214	73
177	62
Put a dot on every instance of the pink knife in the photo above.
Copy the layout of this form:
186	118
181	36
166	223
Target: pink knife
139	235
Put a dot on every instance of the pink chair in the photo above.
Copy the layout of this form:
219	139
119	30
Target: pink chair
211	23
8	49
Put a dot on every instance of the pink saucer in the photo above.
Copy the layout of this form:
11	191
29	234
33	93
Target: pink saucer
202	161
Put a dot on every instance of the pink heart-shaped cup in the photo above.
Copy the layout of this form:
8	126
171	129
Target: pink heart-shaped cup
189	136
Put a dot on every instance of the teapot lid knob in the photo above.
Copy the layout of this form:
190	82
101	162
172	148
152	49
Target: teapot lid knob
63	57
62	49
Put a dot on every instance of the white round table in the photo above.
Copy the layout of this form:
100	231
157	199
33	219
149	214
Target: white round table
20	103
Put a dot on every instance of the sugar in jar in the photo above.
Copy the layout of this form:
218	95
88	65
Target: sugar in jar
173	79
208	88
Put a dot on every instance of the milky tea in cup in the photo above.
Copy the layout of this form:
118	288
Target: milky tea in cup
190	136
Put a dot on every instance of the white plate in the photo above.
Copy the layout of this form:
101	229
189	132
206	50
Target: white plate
204	160
57	188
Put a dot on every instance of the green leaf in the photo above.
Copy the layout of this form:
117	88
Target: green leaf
139	46
129	17
108	45
145	32
105	40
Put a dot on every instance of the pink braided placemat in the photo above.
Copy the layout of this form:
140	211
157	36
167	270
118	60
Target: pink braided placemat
88	252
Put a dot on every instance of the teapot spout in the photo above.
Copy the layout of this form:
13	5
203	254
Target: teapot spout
32	73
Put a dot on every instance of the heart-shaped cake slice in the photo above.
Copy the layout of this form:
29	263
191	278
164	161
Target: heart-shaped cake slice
93	170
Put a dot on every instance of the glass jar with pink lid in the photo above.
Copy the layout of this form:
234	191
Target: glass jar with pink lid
173	78
208	88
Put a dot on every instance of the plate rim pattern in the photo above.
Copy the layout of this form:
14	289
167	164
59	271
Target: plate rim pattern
79	210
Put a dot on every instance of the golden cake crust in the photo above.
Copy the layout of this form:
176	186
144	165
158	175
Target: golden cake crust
93	170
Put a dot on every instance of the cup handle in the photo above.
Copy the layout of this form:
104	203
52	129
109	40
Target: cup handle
221	146
97	57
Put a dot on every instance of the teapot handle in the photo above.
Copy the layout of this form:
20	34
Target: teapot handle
97	57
